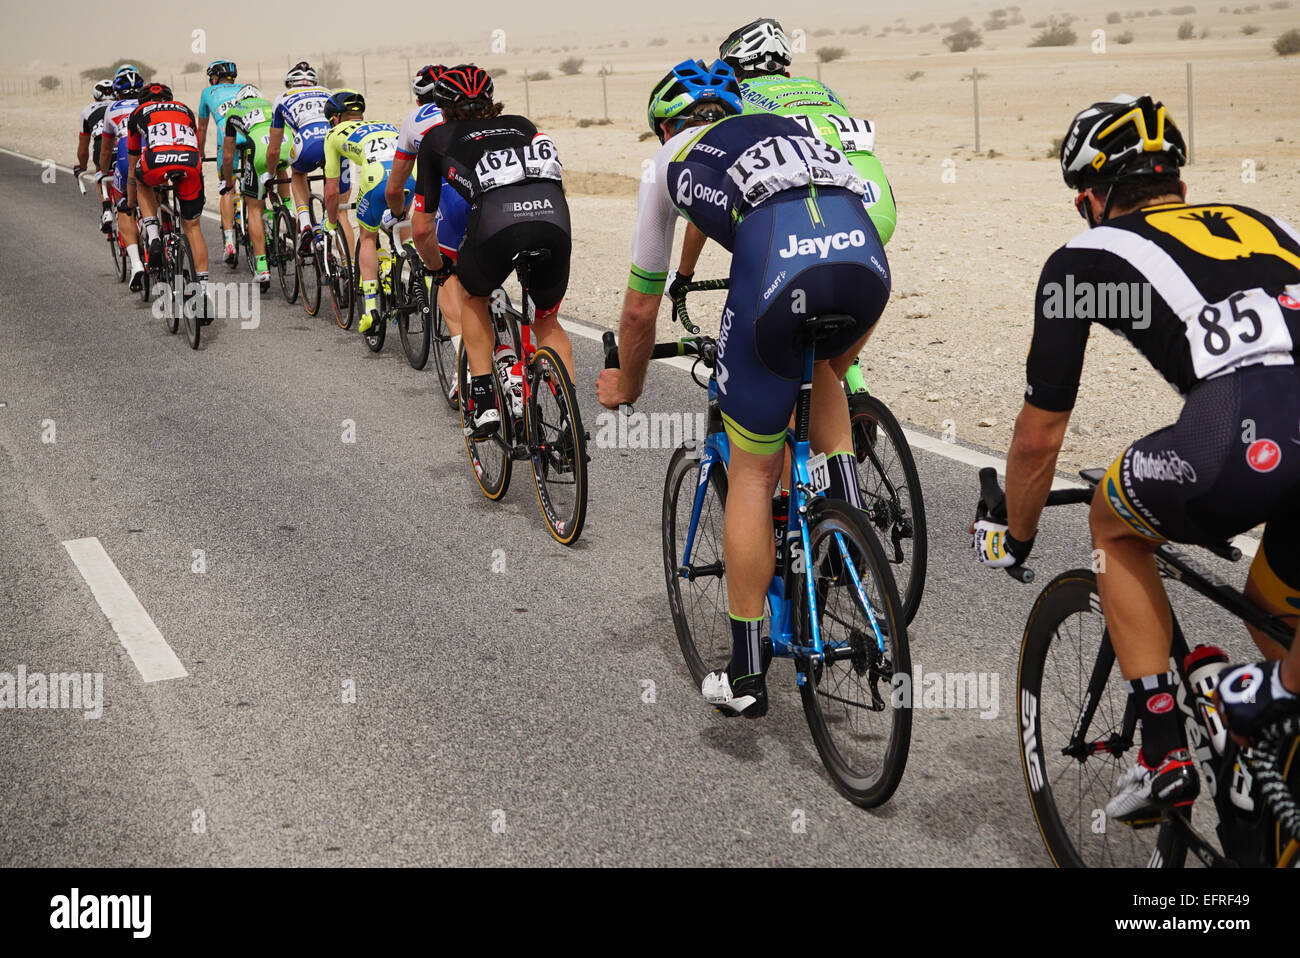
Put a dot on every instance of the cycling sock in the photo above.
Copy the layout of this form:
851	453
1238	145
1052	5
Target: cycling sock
844	478
304	217
480	391
230	236
202	279
150	224
370	288
133	254
261	263
746	652
1162	724
455	345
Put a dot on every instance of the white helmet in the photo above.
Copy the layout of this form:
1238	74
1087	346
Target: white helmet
756	48
300	74
248	91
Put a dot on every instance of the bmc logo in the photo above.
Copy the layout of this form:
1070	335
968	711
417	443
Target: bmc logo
159	158
822	245
1264	455
688	191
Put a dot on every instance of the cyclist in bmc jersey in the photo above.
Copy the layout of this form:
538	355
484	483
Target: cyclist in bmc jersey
510	176
301	109
215	101
92	130
248	119
788	207
453	211
371	148
1210	295
127	84
162	138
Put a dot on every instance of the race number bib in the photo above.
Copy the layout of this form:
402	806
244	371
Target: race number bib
785	162
541	159
856	135
306	111
173	135
1243	329
381	150
253	117
499	168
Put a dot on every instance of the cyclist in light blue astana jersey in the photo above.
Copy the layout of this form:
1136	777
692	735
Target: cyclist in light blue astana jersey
214	102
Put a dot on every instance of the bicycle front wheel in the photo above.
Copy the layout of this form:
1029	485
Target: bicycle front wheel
341	283
1078	734
490	457
118	254
891	494
187	277
697	584
860	723
558	445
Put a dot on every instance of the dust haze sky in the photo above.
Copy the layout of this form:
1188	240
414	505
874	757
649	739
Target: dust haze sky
53	33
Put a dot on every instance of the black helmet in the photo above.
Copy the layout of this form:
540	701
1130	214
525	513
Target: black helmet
1121	140
219	70
159	92
462	85
344	103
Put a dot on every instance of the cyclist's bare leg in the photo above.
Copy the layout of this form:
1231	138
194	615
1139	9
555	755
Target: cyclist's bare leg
301	191
1132	595
479	338
829	430
369	255
228	212
253	210
198	245
549	332
451	300
749	550
1259	570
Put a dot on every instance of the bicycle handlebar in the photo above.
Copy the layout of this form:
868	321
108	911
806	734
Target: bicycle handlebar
703	347
679	301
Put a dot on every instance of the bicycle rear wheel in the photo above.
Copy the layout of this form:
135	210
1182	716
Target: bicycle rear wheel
444	355
558	445
376	334
860	724
280	247
341	283
117	253
490	458
697	595
1070	759
415	325
188	278
891	494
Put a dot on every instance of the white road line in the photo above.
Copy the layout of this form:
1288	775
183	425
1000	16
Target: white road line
918	440
152	656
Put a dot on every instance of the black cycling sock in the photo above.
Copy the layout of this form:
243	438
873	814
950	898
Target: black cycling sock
481	392
1157	709
746	653
844	478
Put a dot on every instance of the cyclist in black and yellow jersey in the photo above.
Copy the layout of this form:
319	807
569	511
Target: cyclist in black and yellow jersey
1210	295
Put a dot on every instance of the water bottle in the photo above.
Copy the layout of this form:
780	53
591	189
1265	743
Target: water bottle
1203	665
512	383
780	515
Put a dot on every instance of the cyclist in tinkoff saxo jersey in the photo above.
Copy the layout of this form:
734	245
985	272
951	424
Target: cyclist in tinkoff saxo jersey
1220	321
371	147
127	84
453	211
214	102
248	119
301	110
788	206
89	137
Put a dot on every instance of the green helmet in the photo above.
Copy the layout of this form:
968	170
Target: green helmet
689	83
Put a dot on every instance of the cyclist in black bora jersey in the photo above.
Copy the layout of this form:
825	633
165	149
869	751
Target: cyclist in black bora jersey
510	175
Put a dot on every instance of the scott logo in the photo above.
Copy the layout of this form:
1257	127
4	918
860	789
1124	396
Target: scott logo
822	245
1264	455
688	191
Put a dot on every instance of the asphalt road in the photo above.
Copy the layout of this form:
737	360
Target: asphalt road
499	717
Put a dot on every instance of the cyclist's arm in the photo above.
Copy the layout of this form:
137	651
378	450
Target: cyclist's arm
203	136
273	146
424	208
636	339
395	190
228	153
1031	465
107	146
333	167
692	245
83	149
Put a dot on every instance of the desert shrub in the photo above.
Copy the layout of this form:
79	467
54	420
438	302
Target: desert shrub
1125	38
1288	43
659	42
537	77
1057	34
49	82
962	40
1186	30
330	74
99	73
1113	17
1249	29
830	54
914	75
193	67
1181	11
571	66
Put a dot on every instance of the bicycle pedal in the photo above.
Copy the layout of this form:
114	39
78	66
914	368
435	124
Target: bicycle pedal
520	452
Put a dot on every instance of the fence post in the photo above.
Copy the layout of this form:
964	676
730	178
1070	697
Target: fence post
975	85
409	92
604	92
528	103
365	87
1191	125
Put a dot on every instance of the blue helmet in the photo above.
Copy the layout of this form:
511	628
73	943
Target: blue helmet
127	83
687	85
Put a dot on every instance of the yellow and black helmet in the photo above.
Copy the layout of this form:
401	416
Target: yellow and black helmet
1121	140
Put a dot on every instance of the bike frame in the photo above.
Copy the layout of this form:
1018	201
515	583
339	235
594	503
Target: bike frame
717	449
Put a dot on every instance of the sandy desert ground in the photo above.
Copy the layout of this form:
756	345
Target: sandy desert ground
974	227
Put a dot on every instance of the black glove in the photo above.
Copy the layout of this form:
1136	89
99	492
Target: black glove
225	188
444	273
676	287
123	206
1254	697
78	170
